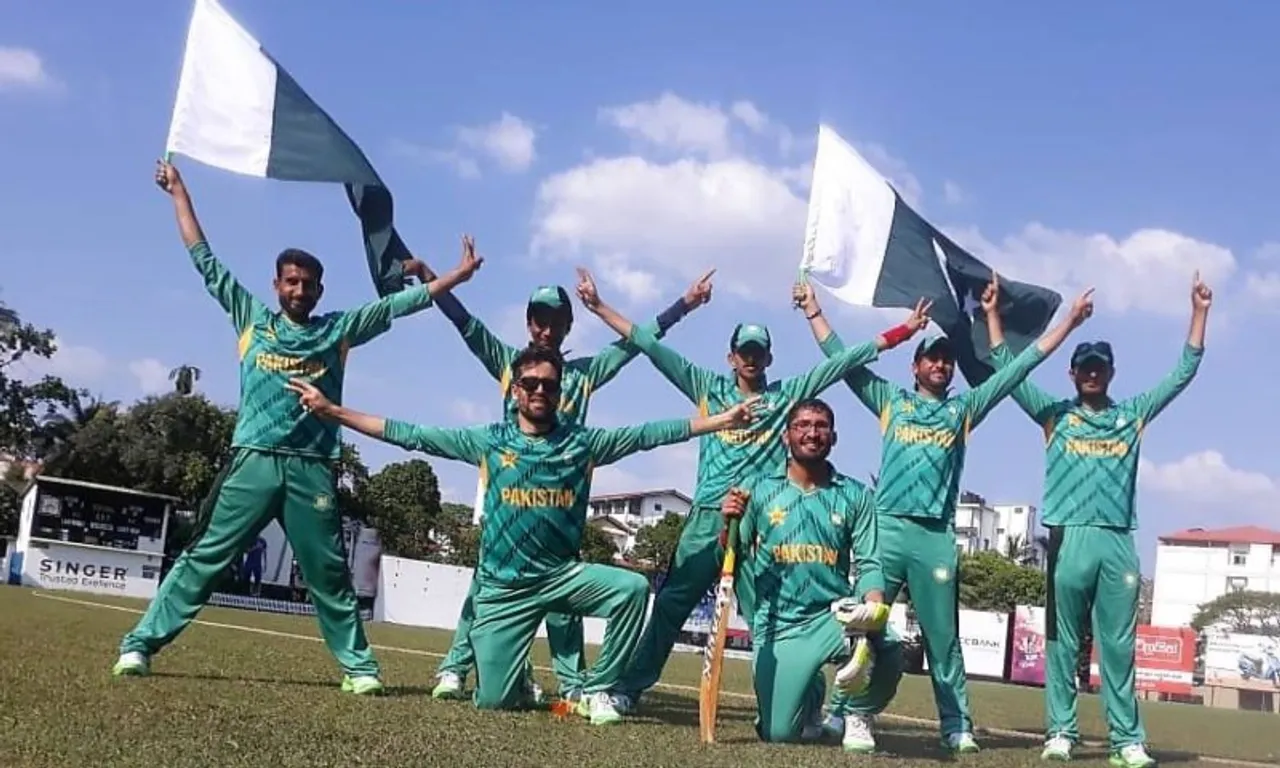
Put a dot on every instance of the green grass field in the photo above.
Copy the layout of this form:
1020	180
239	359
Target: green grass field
258	690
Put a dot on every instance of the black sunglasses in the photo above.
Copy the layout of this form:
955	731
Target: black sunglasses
532	384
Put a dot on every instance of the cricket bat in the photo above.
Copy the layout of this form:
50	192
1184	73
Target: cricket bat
713	654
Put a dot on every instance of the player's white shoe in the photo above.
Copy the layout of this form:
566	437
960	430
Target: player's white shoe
362	685
961	743
598	708
858	736
132	664
449	686
854	676
1057	747
1132	756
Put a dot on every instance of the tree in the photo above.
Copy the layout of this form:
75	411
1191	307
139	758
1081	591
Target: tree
53	438
25	406
352	478
656	544
403	503
597	547
1247	612
10	510
990	582
184	379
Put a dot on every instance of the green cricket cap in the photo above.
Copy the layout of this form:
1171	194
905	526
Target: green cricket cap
750	333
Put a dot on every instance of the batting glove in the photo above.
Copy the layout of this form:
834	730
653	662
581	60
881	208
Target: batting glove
860	617
855	676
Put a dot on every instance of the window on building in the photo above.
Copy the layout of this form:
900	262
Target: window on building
1239	554
1237	583
986	544
657	506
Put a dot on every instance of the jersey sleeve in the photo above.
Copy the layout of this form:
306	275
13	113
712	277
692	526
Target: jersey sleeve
467	444
866	547
494	354
1149	404
610	445
364	324
233	297
749	524
874	392
609	362
837	366
980	400
694	381
1034	401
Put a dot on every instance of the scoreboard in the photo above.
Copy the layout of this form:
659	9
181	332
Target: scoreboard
99	516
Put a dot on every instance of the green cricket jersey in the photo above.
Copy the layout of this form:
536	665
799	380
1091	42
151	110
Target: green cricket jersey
734	456
799	545
581	378
274	349
1091	457
923	440
536	487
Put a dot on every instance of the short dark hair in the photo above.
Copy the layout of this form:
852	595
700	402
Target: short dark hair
532	355
301	259
811	404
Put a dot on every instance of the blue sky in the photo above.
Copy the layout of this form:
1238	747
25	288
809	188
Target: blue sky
1114	146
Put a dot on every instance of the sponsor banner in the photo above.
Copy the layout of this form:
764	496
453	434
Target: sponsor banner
1238	660
91	569
1027	656
1164	658
984	639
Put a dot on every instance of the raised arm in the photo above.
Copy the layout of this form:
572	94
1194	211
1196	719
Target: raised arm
611	445
980	400
373	319
457	444
873	391
612	359
1150	404
1033	400
690	379
235	300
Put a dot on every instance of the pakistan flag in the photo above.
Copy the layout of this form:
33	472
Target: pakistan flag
865	245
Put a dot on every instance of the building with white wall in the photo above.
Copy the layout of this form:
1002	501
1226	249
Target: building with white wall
983	527
1021	523
976	524
1197	565
622	515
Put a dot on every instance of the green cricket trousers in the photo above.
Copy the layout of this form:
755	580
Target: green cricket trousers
564	637
507	618
694	569
254	489
1092	569
921	553
790	685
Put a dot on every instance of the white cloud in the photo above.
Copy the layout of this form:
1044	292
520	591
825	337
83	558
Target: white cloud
953	193
636	285
1262	284
508	140
1150	270
22	68
750	116
473	412
670	122
152	375
76	365
1205	480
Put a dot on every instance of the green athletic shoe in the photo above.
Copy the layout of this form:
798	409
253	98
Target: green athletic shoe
362	685
961	743
598	708
449	688
132	664
1132	756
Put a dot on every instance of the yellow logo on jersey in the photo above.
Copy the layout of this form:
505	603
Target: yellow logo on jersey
745	436
907	407
777	516
323	502
799	554
913	435
562	498
289	366
1098	448
508	459
1074	420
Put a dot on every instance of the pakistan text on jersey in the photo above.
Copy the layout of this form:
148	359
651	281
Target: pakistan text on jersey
796	554
909	433
291	366
745	436
1097	448
539	497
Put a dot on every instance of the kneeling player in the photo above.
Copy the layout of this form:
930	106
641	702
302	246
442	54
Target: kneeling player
538	482
798	530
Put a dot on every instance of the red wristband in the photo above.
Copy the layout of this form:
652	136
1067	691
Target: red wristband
896	335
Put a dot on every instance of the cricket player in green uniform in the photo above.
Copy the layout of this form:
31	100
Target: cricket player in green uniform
549	318
282	467
723	459
925	434
803	529
538	481
1092	444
